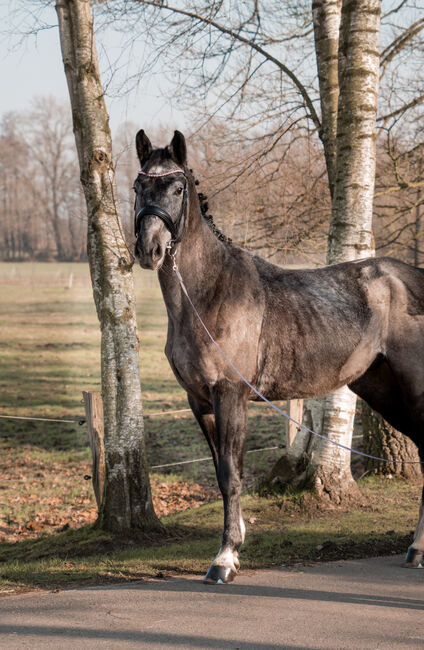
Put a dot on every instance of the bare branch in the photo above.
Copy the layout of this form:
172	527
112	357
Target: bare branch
389	53
250	43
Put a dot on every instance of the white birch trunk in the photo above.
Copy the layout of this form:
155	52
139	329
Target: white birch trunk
350	236
127	503
349	93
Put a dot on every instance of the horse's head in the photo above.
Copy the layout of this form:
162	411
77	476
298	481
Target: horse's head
161	199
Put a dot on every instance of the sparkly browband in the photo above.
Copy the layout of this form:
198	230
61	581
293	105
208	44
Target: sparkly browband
172	171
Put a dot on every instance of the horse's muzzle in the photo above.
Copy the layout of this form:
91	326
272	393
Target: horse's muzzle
150	256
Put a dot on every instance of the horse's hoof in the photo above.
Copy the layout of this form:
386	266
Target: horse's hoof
413	559
219	575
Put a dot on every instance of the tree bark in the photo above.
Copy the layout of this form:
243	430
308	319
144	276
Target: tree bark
417	229
127	503
381	439
326	19
350	235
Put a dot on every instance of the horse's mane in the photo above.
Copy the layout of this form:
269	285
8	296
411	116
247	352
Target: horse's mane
204	208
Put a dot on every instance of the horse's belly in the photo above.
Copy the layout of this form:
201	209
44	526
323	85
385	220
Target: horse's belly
311	371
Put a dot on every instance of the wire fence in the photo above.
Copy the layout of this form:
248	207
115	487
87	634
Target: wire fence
82	421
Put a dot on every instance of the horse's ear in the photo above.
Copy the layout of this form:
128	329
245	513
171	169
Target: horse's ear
178	148
143	146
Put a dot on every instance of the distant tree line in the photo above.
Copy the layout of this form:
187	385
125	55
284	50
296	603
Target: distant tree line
270	196
42	214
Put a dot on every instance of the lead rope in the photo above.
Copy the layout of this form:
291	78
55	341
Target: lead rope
262	397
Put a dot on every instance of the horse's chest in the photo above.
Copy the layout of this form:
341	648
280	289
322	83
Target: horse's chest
200	363
194	369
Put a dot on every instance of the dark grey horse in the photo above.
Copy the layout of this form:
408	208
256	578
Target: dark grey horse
358	323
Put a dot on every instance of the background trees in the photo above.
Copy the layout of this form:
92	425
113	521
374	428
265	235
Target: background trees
43	215
246	75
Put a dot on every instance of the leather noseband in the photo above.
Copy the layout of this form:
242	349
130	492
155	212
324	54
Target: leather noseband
157	211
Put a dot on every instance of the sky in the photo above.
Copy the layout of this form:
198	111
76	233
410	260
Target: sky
32	66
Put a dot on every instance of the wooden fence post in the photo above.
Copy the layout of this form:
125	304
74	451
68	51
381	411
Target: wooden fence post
295	412
94	414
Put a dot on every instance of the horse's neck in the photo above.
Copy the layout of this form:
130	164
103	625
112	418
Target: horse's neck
199	258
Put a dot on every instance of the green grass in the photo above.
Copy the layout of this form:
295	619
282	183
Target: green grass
278	532
49	354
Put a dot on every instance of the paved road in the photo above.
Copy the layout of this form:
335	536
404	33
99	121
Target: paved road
373	604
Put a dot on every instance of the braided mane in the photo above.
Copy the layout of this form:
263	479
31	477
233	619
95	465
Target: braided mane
204	207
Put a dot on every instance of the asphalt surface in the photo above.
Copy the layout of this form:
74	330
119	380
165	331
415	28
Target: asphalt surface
374	604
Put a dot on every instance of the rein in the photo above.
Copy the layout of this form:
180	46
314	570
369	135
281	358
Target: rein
255	390
157	211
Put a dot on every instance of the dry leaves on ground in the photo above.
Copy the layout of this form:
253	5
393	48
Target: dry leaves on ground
37	498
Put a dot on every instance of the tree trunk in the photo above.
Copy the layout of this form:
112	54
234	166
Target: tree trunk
326	18
348	135
350	236
127	503
417	229
381	439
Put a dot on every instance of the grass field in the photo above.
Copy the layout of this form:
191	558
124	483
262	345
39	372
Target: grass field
49	353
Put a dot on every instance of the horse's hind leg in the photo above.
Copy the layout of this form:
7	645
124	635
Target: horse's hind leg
386	392
409	371
230	409
415	552
396	391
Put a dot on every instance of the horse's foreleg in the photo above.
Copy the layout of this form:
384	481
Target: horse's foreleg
230	408
415	551
203	412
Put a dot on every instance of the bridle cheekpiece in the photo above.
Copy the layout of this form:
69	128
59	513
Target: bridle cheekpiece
157	211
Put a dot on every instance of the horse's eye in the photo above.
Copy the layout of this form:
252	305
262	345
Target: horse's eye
178	191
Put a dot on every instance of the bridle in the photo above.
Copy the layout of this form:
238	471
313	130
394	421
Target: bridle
156	211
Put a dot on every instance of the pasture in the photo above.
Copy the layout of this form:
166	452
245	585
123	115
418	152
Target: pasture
49	353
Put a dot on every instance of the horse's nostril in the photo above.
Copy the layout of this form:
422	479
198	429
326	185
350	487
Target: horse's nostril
157	252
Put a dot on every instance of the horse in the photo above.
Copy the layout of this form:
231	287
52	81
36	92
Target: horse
291	333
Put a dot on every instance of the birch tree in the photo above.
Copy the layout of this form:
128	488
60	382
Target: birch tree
352	177
127	503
